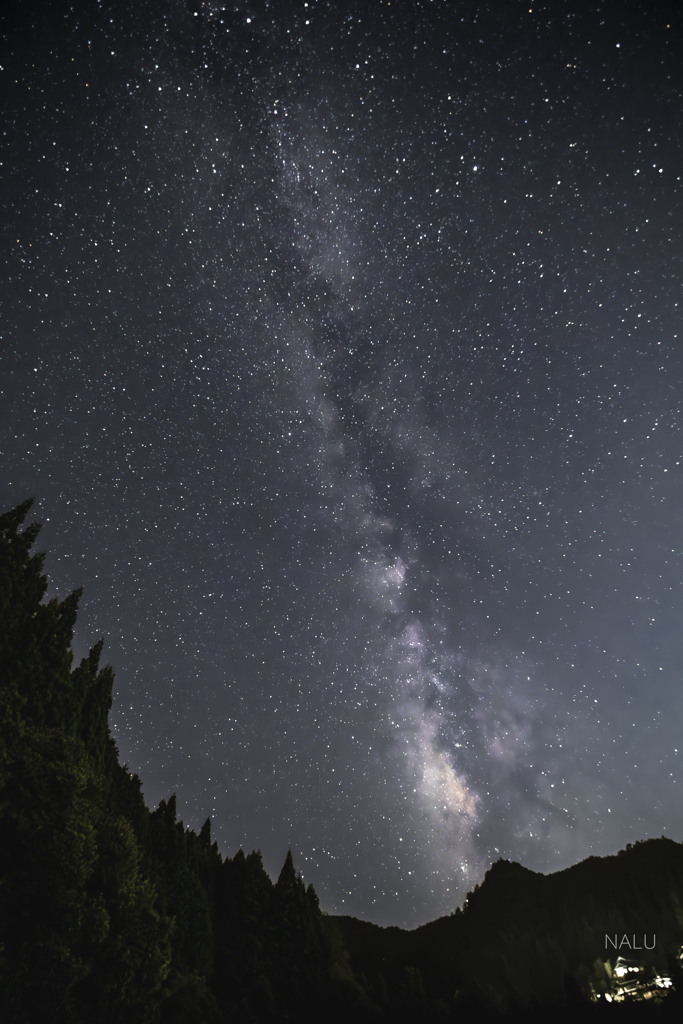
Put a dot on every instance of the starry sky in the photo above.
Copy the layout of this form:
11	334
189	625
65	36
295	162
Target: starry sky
342	353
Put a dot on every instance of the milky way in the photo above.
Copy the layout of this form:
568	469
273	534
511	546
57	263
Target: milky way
342	355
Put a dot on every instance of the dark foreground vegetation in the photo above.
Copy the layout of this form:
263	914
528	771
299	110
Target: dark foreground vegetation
113	913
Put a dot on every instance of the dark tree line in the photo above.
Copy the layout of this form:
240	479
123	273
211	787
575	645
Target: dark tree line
110	912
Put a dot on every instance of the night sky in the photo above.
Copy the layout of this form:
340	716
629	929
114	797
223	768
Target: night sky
342	352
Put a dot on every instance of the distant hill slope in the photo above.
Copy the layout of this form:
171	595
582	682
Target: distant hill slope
525	939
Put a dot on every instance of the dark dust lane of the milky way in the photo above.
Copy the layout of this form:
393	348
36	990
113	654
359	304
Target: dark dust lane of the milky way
342	353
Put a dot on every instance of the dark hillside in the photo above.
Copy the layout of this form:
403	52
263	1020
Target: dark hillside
521	934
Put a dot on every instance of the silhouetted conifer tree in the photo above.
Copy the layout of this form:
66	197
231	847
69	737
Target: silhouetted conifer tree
302	963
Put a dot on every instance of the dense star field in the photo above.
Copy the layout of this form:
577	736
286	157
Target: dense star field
342	352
